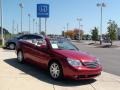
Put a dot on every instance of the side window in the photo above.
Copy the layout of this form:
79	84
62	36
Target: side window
25	37
37	37
31	37
41	42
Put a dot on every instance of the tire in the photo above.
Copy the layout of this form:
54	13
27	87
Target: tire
55	70
20	56
11	46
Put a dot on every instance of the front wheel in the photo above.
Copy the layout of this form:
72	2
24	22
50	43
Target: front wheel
55	70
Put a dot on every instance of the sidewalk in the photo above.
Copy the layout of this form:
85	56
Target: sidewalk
16	76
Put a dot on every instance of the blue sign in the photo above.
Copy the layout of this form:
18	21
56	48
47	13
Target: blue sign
43	10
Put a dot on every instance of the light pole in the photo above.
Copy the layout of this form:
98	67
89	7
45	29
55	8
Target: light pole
79	20
64	31
17	29
1	23
29	21
101	5
36	26
67	29
82	32
45	26
39	25
21	7
13	28
33	24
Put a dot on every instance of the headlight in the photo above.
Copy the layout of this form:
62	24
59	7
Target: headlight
74	62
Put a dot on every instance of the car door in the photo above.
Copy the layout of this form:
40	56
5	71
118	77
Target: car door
41	54
29	46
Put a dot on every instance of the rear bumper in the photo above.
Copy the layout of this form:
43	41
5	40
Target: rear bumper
82	73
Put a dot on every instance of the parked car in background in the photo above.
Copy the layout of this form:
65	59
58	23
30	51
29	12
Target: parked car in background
60	57
11	43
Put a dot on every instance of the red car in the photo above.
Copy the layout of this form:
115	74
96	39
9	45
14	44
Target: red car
60	57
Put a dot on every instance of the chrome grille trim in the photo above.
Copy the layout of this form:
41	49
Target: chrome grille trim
91	64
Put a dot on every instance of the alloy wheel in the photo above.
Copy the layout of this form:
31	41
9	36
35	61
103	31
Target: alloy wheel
12	46
55	70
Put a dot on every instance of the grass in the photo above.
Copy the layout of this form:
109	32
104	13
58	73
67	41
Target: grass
0	44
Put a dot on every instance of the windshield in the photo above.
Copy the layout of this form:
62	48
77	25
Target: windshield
63	44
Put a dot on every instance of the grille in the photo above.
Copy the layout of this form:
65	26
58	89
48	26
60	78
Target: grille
91	64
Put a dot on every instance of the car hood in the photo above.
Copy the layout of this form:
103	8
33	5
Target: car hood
79	55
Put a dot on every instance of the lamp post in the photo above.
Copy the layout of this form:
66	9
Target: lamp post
36	26
13	28
33	24
21	7
45	26
17	29
67	29
82	32
29	21
79	20
2	37
101	5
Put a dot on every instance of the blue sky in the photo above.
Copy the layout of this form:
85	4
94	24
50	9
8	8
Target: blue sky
61	13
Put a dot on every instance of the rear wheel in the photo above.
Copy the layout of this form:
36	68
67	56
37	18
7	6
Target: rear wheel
20	56
55	70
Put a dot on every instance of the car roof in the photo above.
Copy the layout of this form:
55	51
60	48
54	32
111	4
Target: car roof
30	34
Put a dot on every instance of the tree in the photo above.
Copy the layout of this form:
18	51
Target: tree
95	34
112	30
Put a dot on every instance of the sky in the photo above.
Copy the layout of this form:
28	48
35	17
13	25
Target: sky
61	13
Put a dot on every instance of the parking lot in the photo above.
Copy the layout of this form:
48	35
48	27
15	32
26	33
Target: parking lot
16	76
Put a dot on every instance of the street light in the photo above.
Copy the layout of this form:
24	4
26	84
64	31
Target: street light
36	26
33	24
29	21
17	29
79	20
1	23
67	28
101	5
21	7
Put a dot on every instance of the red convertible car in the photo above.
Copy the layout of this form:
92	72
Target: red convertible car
60	57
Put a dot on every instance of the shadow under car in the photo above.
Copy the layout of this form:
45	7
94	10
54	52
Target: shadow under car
43	74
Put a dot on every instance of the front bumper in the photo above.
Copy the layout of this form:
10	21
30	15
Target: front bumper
81	72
